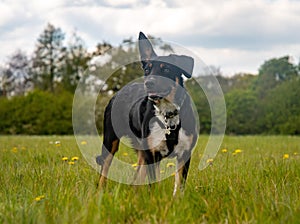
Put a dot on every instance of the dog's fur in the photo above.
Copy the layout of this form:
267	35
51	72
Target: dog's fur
156	115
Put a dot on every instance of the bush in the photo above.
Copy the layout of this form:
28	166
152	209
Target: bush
37	113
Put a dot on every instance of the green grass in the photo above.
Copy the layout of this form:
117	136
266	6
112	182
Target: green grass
256	185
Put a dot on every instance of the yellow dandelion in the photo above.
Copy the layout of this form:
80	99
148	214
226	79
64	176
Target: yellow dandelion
170	164
238	151
71	163
75	158
224	150
286	156
39	198
135	166
295	153
14	150
64	158
210	161
57	143
83	142
125	154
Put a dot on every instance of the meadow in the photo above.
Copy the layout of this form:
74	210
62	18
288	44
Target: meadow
253	179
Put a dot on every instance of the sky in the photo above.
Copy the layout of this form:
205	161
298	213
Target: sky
235	35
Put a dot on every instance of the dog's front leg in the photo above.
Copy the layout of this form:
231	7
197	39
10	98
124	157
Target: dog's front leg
181	175
149	160
157	170
145	167
141	173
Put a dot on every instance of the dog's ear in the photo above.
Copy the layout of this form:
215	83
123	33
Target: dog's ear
185	63
146	49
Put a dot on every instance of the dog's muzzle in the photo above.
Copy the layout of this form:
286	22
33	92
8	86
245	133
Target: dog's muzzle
155	93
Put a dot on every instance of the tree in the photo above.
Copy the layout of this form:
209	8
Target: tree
273	72
15	79
281	109
48	58
117	66
241	112
76	62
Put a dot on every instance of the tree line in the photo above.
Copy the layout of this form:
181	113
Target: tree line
266	103
36	91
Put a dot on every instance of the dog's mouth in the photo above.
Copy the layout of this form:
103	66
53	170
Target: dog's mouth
158	95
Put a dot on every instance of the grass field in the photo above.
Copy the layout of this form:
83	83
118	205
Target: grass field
255	180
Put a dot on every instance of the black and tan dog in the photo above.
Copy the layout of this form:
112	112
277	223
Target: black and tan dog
156	115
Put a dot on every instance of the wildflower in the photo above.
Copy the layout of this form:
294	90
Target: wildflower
162	171
75	158
83	142
295	153
39	198
286	156
64	158
134	166
71	163
170	165
14	150
238	151
125	154
173	174
210	161
224	150
57	143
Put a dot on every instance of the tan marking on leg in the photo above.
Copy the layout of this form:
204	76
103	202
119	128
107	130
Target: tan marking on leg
107	163
141	173
178	179
157	171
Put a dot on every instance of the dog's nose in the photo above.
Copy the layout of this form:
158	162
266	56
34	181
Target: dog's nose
150	84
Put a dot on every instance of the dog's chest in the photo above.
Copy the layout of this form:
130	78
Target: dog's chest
166	135
158	141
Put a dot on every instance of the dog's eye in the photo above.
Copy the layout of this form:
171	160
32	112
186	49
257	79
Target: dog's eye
166	70
147	71
147	68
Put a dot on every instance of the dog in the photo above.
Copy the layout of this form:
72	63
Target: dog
156	115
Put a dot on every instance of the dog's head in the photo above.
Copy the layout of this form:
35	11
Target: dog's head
163	74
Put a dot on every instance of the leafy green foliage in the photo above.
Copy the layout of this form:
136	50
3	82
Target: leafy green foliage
273	72
264	104
37	113
241	112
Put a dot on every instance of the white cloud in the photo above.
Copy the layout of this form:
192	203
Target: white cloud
237	35
232	61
